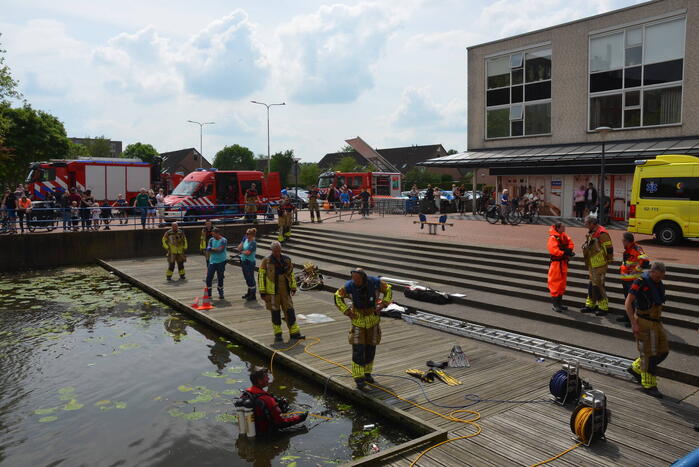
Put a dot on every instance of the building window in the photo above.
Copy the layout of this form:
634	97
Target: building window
518	94
635	75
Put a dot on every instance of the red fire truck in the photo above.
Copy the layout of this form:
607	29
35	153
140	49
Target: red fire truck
219	193
379	184
105	177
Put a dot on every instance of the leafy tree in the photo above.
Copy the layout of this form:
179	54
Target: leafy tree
421	178
145	152
235	157
76	150
452	151
347	164
310	171
98	147
346	148
282	162
31	135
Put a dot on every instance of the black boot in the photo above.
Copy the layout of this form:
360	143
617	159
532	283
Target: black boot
208	292
278	339
297	336
560	303
220	293
252	294
368	378
361	384
557	304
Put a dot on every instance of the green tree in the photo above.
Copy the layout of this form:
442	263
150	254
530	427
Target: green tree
145	152
452	151
346	148
98	147
347	164
76	150
234	157
31	135
282	162
421	178
310	171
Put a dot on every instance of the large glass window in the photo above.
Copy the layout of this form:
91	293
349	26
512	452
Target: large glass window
635	75
518	94
686	188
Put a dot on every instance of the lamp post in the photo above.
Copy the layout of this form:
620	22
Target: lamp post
601	216
201	139
296	184
269	157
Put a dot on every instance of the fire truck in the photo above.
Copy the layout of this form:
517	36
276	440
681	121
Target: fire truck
105	177
207	193
379	184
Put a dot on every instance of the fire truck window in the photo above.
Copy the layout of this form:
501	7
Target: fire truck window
340	181
357	183
48	175
383	186
205	190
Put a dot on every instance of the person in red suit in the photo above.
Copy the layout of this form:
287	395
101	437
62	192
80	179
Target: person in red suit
560	247
269	415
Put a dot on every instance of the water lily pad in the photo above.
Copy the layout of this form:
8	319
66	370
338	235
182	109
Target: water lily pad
225	417
230	392
201	398
175	412
185	388
344	407
45	411
66	390
129	346
282	387
212	374
120	404
289	458
51	418
236	369
233	381
103	402
194	415
73	405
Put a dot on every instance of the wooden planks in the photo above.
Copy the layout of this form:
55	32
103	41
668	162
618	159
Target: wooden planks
643	430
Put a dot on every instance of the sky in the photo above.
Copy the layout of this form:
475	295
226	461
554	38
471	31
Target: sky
392	71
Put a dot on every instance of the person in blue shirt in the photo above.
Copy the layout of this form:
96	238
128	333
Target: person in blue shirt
285	192
504	205
248	248
345	197
217	261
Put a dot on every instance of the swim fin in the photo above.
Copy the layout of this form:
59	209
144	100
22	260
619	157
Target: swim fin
421	375
445	378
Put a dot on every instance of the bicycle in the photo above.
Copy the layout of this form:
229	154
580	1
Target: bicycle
532	215
310	278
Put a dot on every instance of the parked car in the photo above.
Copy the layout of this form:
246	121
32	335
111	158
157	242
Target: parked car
300	200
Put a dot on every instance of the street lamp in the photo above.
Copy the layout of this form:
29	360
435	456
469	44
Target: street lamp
269	157
201	149
601	216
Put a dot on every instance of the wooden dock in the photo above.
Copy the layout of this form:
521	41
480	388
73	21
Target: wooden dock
643	431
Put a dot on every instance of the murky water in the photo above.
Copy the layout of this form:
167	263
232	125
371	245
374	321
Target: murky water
94	372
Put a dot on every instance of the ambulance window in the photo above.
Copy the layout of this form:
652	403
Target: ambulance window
670	188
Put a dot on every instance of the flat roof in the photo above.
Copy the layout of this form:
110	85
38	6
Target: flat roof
587	18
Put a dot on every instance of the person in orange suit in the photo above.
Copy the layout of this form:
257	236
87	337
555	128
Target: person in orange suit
560	247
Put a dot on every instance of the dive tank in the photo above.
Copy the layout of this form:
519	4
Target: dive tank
242	423
249	417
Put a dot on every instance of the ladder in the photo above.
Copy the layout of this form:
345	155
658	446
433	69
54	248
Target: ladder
601	362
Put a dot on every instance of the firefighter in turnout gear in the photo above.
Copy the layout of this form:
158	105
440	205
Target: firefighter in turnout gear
598	253
560	247
175	244
277	284
252	199
643	307
313	195
365	313
286	218
633	263
206	233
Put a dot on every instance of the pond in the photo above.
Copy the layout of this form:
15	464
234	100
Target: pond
95	372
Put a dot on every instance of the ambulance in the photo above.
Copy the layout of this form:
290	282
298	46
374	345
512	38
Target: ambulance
212	193
665	198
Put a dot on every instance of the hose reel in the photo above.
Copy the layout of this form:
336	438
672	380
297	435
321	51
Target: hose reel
566	385
589	420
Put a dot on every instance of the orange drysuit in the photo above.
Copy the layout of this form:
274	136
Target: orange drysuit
558	270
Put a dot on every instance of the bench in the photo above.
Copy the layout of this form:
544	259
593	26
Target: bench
432	226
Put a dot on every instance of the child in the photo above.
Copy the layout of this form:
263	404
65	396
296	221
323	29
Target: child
75	215
96	211
345	198
106	215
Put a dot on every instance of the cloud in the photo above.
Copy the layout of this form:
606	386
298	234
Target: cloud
222	61
417	109
330	56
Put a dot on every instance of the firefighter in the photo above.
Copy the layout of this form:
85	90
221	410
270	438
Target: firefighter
286	218
644	304
598	253
277	285
313	207
633	263
268	409
252	199
560	247
365	313
175	243
206	233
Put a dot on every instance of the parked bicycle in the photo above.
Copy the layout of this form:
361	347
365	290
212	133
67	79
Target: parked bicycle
531	215
495	214
310	278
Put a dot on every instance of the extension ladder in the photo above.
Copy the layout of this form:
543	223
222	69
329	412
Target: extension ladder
604	363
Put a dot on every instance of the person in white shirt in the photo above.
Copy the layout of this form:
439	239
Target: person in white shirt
160	204
96	211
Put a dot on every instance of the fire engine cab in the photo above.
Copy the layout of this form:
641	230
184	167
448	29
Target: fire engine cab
219	193
379	184
105	177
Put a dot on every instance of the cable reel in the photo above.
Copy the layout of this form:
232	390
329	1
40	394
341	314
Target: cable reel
566	385
589	420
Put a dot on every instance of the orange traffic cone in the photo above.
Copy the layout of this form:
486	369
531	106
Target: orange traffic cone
203	302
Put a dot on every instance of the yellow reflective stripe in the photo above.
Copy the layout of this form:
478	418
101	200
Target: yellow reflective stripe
262	279
340	295
293	276
387	293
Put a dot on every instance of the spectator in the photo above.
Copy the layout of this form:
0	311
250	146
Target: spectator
504	205
248	249
160	204
463	198
345	197
9	202
142	203
332	196
64	203
590	199
429	199
122	209
152	208
437	198
579	200
95	211
75	214
106	214
217	261
414	192
24	208
85	215
365	198
74	196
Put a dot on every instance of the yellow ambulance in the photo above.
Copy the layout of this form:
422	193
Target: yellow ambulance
665	198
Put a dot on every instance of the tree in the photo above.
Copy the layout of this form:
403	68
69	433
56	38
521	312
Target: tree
282	162
98	147
452	151
421	178
8	85
235	157
76	150
145	152
347	164
346	148
31	135
310	171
